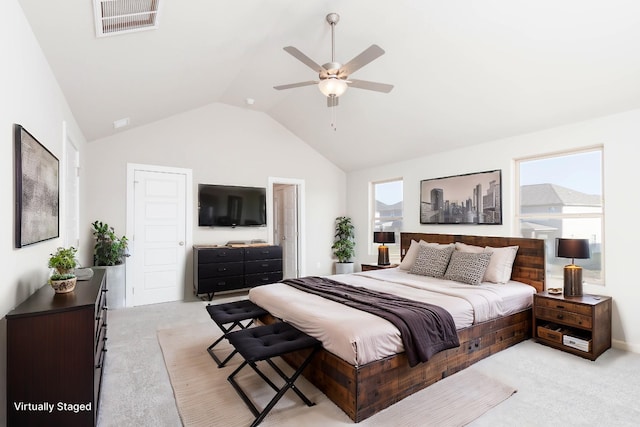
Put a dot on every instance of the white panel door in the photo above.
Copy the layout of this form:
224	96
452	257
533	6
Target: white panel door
159	237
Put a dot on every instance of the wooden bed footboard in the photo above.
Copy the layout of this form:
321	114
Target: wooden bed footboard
365	390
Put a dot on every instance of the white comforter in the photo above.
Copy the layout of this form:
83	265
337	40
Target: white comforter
359	337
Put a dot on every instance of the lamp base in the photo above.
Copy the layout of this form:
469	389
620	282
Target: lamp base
572	280
383	255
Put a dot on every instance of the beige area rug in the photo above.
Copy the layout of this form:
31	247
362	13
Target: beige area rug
204	397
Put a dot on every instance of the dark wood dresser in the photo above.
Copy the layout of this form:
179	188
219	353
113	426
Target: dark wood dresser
222	268
56	345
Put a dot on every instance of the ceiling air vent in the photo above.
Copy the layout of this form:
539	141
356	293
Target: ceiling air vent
125	16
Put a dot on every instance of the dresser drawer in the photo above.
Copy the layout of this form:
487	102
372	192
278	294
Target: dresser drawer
216	255
564	317
220	284
262	252
266	265
262	279
223	269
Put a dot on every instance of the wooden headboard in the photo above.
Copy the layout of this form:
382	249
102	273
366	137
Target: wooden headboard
528	267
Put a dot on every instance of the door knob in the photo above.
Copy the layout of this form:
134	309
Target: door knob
181	243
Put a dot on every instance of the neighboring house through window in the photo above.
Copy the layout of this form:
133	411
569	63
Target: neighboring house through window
387	211
561	195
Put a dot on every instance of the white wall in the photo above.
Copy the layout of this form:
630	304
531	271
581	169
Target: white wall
222	145
30	96
619	134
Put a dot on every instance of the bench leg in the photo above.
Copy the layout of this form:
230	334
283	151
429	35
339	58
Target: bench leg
289	384
225	331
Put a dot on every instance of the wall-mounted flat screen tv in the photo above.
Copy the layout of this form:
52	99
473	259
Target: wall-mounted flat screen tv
231	206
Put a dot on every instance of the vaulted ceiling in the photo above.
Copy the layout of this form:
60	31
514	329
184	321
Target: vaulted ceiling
464	71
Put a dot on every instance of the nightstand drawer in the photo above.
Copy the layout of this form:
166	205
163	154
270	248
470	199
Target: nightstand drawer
565	317
564	306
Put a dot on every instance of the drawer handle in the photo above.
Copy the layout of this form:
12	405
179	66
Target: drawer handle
561	307
560	316
222	269
265	265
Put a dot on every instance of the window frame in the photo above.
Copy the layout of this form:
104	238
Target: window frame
519	216
394	249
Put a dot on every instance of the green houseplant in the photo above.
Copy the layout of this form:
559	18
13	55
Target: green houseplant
63	261
109	248
344	244
109	254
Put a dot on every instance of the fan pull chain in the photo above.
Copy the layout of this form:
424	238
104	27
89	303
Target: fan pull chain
334	118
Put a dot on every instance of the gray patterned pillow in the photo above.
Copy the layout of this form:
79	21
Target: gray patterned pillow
467	267
431	261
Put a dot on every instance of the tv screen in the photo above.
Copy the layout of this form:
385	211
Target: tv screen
231	206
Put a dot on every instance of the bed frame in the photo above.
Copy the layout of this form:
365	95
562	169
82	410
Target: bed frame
365	390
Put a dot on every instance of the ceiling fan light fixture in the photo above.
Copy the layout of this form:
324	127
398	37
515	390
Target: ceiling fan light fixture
332	86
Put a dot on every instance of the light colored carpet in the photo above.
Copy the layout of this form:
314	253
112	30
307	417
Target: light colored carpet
205	398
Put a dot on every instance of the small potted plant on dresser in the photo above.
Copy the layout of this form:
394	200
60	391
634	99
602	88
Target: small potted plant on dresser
343	246
109	253
63	260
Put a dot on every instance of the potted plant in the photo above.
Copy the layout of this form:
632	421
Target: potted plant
110	252
63	260
343	245
109	249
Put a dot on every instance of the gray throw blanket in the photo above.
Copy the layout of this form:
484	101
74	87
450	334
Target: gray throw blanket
426	329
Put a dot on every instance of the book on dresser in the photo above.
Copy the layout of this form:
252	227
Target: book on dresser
56	345
226	268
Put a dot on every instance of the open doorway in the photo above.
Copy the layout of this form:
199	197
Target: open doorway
286	205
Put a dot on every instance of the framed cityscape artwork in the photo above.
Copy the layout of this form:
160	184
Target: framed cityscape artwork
474	198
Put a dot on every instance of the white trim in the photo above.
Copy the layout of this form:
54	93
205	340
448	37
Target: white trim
131	170
302	268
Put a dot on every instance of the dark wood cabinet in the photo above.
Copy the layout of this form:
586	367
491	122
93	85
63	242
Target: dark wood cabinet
222	268
579	325
56	344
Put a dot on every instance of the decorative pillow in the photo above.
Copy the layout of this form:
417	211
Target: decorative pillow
501	264
467	267
463	247
410	257
432	261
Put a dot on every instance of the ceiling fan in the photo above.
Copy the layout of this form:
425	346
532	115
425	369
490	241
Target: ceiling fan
334	77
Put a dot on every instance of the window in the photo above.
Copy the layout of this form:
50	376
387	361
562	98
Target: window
561	195
387	213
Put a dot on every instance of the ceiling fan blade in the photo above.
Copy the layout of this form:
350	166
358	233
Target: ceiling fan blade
363	84
372	52
332	101
304	59
292	85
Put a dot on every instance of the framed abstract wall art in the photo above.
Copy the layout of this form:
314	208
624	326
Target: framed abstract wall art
474	198
37	197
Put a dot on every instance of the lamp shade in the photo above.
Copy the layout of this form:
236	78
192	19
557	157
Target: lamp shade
384	237
572	248
332	86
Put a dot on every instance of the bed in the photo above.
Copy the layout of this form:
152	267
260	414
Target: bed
362	383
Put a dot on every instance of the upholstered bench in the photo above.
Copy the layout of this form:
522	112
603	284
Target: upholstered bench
263	343
230	316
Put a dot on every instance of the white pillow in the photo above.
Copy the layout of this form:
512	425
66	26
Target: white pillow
463	247
410	257
501	264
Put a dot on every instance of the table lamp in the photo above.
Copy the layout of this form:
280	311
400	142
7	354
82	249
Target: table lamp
572	248
383	251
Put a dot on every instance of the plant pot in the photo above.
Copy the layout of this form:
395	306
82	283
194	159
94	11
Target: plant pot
344	267
116	283
63	286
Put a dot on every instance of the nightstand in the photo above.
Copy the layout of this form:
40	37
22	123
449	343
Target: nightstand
578	325
369	267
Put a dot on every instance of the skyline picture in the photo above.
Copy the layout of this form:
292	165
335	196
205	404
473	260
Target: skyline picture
474	198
